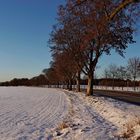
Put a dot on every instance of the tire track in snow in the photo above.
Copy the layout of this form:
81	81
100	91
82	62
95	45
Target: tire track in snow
26	113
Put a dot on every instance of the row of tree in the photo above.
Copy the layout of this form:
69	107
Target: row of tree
86	30
35	81
108	82
113	75
43	80
129	72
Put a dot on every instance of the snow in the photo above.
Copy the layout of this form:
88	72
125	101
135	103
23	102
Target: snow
131	89
137	89
53	114
98	118
27	113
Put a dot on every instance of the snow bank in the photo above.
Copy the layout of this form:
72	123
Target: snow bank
98	118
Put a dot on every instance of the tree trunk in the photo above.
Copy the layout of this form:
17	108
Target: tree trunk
58	85
78	82
63	85
113	83
90	84
122	87
134	84
70	85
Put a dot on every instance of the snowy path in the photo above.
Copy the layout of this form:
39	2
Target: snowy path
28	113
96	118
85	123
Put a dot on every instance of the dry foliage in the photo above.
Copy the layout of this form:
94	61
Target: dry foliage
129	133
63	125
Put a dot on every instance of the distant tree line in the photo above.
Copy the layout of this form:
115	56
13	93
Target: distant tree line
42	81
35	81
108	82
113	75
126	74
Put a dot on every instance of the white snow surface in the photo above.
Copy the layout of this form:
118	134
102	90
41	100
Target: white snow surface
52	114
98	118
28	113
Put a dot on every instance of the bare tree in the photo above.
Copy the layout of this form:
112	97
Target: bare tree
133	68
122	74
66	38
106	73
113	72
95	36
51	76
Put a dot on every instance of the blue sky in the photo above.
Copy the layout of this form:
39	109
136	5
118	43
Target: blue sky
25	26
24	31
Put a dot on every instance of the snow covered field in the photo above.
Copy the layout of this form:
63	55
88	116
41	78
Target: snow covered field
53	114
28	113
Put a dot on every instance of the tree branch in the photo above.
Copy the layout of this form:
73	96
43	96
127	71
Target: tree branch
121	6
